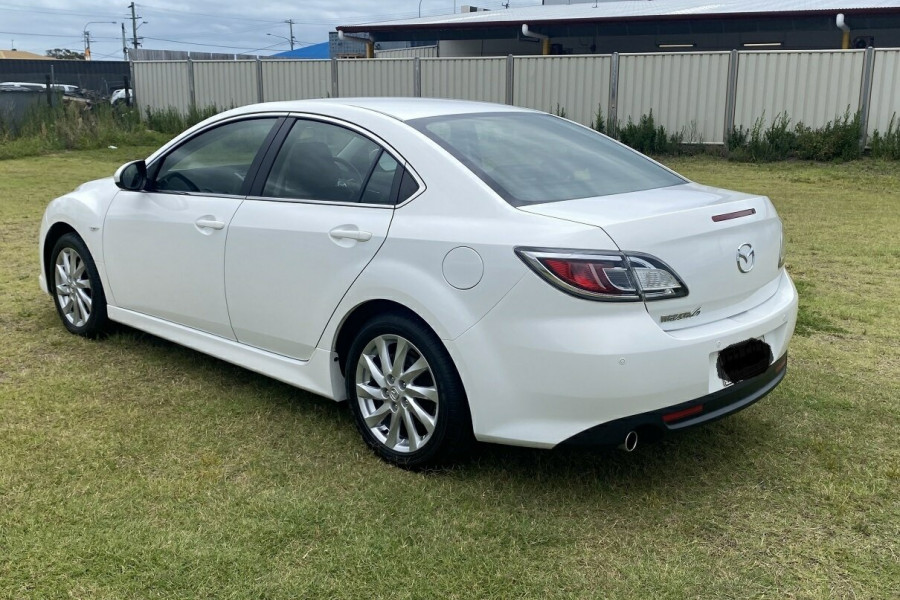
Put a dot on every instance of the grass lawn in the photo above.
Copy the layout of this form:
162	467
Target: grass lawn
133	468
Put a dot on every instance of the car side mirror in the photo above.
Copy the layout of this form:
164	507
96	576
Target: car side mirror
131	176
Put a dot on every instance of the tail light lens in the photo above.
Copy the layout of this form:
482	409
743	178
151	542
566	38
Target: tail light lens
602	275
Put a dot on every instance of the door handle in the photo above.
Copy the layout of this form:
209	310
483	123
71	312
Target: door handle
205	223
345	233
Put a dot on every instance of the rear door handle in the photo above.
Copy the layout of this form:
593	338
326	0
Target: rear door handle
206	223
344	233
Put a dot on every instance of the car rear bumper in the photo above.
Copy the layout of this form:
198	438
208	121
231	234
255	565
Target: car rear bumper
543	367
687	414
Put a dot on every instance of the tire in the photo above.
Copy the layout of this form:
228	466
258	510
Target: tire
75	286
415	415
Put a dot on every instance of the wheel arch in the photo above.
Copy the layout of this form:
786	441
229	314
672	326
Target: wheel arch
357	317
56	231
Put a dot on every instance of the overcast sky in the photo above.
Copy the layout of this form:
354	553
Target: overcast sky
231	26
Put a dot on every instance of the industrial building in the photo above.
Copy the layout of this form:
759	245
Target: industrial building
638	26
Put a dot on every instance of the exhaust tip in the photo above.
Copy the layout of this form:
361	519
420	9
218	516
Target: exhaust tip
630	442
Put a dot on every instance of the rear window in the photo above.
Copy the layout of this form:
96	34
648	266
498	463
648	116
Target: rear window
531	158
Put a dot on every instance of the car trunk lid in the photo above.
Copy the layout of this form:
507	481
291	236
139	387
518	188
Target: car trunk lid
698	231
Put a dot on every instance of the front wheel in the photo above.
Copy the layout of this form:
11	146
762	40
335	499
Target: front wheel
75	286
406	395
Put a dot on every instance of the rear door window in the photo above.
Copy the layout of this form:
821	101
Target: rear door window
326	162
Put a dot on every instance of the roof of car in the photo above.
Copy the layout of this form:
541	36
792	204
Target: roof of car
403	109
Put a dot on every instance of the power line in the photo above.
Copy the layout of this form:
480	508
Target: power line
29	9
47	35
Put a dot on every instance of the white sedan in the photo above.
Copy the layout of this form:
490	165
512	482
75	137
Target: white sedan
456	271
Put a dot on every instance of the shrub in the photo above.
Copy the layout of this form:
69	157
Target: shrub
647	137
598	124
887	145
560	111
837	139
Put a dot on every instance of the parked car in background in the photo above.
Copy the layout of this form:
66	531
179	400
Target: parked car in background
120	96
456	271
67	89
21	86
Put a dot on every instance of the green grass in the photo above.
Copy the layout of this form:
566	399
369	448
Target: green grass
133	468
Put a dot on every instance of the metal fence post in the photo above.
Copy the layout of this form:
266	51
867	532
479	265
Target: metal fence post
612	117
865	97
510	79
731	95
335	92
260	96
192	92
417	77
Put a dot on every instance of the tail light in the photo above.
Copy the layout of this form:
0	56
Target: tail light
603	275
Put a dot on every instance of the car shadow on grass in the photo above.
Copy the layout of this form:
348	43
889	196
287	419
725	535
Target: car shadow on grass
710	452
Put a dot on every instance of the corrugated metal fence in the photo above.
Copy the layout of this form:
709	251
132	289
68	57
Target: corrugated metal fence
701	94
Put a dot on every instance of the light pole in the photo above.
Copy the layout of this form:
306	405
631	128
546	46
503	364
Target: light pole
288	40
87	36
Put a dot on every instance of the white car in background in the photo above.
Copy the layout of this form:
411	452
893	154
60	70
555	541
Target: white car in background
455	270
119	96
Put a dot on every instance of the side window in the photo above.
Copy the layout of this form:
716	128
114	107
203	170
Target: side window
216	161
381	181
322	161
408	187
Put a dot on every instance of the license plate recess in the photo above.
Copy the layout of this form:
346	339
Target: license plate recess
744	360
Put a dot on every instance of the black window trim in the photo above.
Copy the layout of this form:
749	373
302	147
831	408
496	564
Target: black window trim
157	161
268	161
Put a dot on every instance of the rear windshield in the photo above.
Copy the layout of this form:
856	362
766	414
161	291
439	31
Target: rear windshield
530	158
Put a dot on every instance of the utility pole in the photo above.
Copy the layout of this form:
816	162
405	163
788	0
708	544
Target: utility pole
134	19
290	23
124	43
87	45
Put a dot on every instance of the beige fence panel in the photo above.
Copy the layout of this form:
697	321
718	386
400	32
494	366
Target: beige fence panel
225	83
382	77
685	91
420	51
578	84
885	91
296	79
812	87
465	78
160	85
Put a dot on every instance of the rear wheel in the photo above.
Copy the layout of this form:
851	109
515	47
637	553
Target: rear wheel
406	396
75	285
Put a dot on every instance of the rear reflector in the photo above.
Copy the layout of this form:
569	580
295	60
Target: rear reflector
682	414
734	215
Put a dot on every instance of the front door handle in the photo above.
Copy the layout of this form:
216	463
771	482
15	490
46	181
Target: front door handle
209	223
345	233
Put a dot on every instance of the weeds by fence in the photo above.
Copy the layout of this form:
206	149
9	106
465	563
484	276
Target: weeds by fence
887	145
836	140
75	127
172	121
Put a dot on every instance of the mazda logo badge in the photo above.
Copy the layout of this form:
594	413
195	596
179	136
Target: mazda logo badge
745	258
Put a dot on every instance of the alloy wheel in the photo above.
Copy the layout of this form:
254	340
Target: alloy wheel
73	287
397	393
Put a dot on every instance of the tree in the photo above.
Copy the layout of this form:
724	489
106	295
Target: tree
65	54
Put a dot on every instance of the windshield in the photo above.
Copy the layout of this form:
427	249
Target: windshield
530	158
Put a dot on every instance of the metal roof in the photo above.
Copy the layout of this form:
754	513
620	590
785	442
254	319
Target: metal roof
630	10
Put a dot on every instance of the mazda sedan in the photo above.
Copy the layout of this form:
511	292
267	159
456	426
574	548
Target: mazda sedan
456	271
